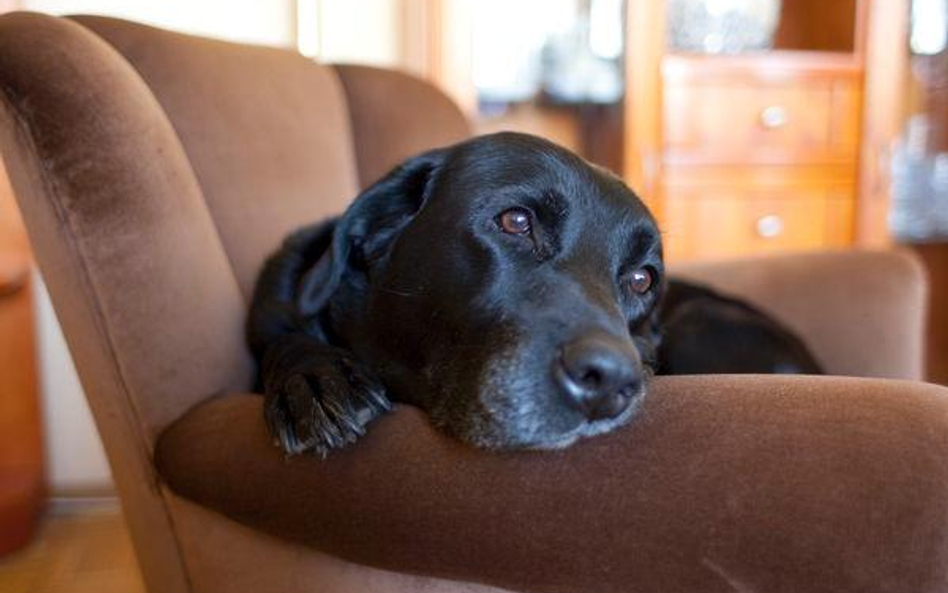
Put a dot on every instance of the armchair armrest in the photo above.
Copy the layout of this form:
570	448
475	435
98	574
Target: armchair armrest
862	313
14	272
722	483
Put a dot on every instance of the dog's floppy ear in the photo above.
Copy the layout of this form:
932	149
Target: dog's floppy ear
367	228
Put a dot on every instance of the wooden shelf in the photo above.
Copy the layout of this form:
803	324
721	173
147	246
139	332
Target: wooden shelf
773	64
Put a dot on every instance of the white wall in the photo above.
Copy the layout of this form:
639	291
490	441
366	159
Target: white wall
358	31
74	456
269	22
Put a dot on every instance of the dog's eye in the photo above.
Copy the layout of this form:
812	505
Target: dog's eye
515	221
641	280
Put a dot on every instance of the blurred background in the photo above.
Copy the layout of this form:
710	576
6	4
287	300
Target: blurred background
748	126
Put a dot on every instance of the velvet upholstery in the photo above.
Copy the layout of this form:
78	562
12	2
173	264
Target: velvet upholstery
723	483
385	131
154	170
113	209
224	556
228	123
863	313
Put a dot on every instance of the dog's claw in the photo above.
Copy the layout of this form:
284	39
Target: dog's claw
323	406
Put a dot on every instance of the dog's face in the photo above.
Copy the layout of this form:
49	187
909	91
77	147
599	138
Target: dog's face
507	287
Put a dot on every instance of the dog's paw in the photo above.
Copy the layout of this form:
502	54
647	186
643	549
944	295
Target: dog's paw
323	404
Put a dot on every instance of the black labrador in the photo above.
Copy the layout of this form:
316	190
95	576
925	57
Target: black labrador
503	285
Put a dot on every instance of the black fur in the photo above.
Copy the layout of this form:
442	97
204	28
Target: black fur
706	332
417	294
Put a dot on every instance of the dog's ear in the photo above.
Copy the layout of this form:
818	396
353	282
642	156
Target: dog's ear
367	228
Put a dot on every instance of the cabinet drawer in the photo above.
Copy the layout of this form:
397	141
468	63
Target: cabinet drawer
703	223
738	122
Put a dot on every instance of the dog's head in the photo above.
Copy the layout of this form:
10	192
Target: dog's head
504	285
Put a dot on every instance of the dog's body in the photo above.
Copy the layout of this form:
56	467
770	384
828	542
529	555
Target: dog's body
503	285
705	332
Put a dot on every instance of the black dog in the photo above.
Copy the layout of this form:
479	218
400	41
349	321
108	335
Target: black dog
706	332
503	285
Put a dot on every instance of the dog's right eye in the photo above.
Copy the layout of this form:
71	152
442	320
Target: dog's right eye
641	280
515	221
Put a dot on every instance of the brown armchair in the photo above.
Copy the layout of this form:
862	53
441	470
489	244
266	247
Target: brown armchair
155	170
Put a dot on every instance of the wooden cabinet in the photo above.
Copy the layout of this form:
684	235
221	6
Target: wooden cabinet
761	152
22	475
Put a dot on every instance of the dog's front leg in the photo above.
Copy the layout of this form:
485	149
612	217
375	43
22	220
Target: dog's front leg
318	397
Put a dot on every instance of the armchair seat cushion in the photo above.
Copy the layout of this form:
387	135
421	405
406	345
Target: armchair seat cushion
727	483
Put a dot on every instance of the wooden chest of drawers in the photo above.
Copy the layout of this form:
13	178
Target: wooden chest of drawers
758	157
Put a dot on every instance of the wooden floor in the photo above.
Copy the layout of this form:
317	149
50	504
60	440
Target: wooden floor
77	550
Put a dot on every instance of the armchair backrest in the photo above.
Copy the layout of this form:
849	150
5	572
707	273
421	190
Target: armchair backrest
154	172
157	170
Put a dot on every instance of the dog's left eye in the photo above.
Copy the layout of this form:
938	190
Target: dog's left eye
640	280
515	221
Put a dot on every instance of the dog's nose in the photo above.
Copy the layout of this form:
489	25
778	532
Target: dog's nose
599	375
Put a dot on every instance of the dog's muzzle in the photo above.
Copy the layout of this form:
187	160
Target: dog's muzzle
599	375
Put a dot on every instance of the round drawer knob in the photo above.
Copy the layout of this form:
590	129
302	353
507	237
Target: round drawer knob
773	117
770	226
